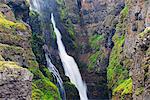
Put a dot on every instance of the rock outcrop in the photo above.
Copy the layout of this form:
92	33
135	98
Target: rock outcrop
15	82
128	71
16	46
137	47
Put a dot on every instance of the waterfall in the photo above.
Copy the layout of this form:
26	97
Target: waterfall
69	65
43	8
56	74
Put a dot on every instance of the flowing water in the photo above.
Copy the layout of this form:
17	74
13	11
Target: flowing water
69	64
43	8
56	74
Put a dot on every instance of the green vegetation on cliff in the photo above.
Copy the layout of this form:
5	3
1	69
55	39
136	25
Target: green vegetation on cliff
117	74
124	88
14	46
42	87
10	25
95	41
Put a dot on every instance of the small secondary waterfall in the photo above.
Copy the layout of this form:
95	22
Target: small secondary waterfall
43	8
56	74
69	64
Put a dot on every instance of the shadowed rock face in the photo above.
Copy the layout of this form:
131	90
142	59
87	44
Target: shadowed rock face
15	82
15	46
19	7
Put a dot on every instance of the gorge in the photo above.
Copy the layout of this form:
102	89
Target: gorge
74	49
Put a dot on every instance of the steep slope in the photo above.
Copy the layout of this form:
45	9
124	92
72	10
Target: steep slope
128	71
109	40
15	46
92	25
95	22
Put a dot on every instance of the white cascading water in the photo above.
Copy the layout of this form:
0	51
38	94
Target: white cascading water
69	64
56	74
38	5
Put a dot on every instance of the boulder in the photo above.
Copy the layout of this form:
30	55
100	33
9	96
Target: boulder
15	82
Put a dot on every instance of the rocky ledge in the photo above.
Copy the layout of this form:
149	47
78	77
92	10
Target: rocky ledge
15	82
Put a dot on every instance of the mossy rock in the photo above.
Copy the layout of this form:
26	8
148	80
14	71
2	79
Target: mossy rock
1	58
7	25
4	64
117	72
42	87
92	60
95	41
49	90
124	88
139	91
71	91
12	39
145	32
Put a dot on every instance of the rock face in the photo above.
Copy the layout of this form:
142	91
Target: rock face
15	82
129	60
97	33
94	24
14	38
137	48
116	27
15	46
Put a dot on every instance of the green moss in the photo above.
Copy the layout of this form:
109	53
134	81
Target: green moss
92	60
124	88
37	73
117	73
42	88
9	25
95	40
59	2
47	73
49	90
142	34
70	28
138	91
63	13
37	94
124	13
1	58
4	64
